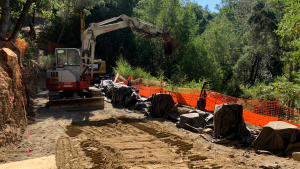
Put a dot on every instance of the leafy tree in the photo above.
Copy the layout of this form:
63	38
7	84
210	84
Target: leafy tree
289	30
222	41
259	41
67	8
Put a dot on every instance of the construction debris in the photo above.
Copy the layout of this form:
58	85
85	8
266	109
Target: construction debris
208	131
274	166
296	156
191	121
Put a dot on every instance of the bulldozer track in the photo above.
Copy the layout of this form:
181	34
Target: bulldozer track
124	143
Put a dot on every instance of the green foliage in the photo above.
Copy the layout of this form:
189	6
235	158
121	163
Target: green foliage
29	52
125	70
259	92
289	92
289	31
16	7
70	39
48	61
66	9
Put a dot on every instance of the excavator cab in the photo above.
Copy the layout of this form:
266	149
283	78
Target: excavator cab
66	88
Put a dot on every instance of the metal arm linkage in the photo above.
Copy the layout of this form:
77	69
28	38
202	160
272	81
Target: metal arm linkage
96	29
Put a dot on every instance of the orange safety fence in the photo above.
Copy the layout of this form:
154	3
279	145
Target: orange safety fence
22	45
256	112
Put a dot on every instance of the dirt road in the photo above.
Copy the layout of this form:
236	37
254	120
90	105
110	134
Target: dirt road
114	138
121	142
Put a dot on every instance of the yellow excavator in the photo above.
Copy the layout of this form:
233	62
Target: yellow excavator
99	64
69	83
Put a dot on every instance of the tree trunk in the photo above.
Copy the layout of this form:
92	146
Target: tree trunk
64	21
228	78
291	76
21	20
4	20
33	16
61	32
31	28
256	71
253	70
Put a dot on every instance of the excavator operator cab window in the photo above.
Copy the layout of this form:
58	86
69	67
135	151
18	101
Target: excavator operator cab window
68	57
73	57
61	57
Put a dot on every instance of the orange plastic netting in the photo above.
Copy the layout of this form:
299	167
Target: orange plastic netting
256	112
22	45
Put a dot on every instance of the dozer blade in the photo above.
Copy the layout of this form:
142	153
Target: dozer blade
86	103
171	45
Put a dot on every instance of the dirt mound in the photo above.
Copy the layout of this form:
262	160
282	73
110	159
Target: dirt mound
13	99
130	143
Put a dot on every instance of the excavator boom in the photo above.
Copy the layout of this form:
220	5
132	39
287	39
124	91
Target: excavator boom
170	44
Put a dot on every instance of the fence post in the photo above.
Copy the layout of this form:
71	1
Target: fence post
149	87
192	97
160	85
215	100
140	81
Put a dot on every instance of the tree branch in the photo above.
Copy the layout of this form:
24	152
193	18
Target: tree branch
21	20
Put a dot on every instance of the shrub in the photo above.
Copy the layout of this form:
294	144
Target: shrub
47	61
125	70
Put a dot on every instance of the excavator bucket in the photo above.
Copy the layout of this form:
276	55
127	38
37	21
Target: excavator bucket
171	45
86	103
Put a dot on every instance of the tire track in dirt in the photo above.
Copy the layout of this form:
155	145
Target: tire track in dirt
130	143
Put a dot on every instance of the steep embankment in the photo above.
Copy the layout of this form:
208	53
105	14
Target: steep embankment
12	98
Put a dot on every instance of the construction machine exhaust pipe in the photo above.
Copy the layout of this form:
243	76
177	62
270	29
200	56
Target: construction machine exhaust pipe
171	45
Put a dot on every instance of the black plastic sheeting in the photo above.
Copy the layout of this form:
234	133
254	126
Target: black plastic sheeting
229	122
279	138
119	94
161	105
140	106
